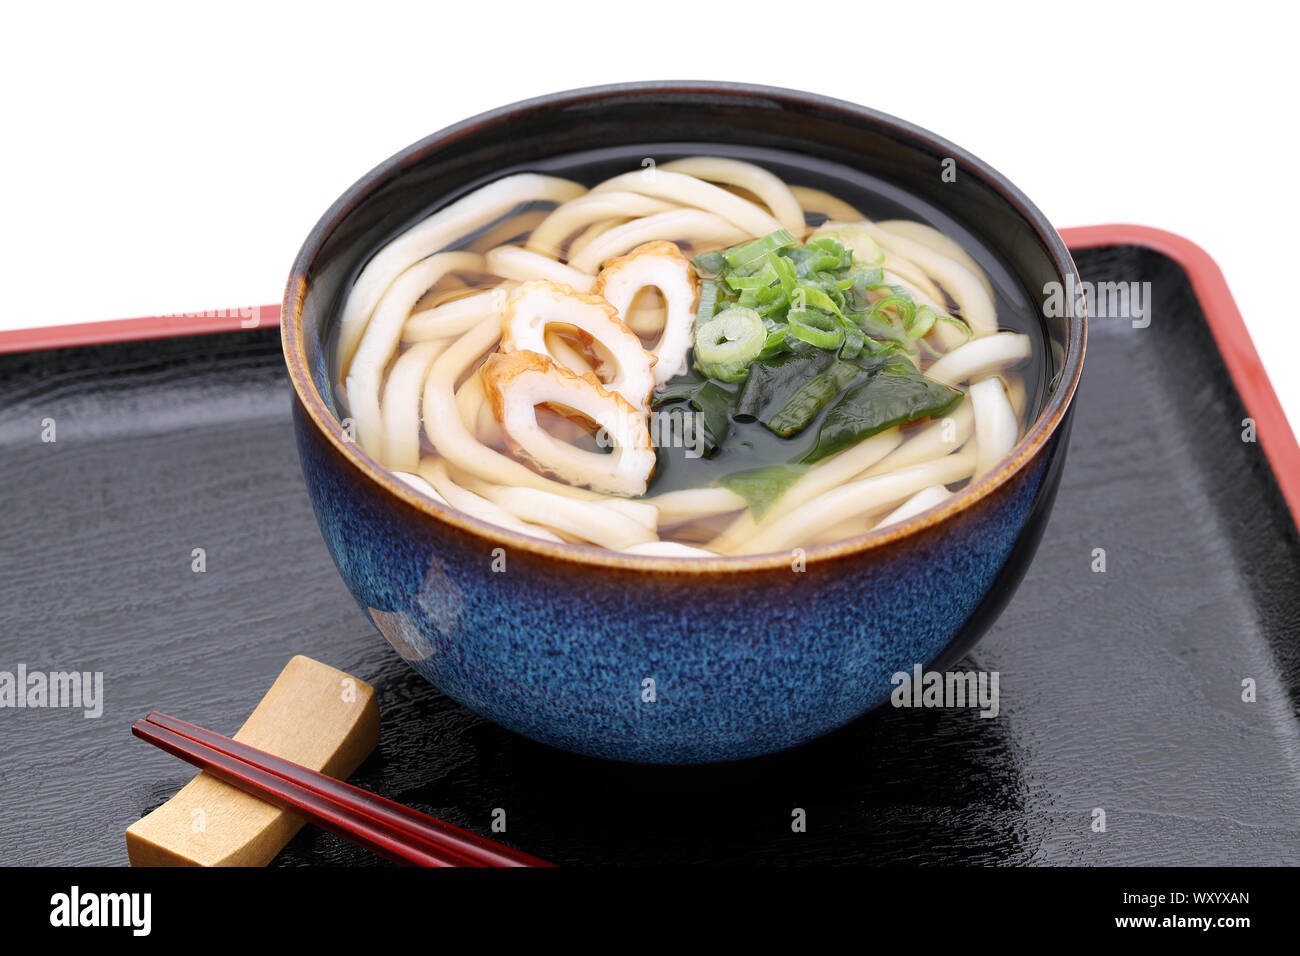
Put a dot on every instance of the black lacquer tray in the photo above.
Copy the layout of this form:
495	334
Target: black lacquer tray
1121	690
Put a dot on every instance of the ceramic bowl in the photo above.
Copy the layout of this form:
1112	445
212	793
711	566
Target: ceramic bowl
673	660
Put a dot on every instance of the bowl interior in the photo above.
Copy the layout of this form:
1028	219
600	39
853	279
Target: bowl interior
611	129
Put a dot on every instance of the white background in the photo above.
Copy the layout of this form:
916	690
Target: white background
161	160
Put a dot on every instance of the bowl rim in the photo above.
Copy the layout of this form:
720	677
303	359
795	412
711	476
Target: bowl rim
1035	438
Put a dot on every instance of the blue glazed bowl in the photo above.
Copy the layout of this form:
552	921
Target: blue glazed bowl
746	655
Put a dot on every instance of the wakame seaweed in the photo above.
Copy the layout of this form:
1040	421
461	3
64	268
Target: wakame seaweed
787	393
892	393
760	487
712	400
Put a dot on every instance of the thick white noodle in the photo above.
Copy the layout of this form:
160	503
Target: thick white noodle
642	511
936	240
923	500
821	478
771	189
592	521
401	404
469	399
980	356
689	191
420	485
856	498
472	405
941	437
822	203
1016	394
455	317
509	229
513	262
695	224
668	549
587	210
434	471
861	524
585	238
896	267
380	340
434	234
689	504
996	428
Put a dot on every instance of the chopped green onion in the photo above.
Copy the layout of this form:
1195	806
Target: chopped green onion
826	295
785	271
708	302
726	345
710	264
775	343
953	320
765	276
815	328
740	256
904	311
854	342
922	322
809	296
858	241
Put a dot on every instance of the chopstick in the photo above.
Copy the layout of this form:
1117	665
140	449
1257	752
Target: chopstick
382	826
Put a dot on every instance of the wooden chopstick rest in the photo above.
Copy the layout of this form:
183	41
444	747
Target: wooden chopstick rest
314	715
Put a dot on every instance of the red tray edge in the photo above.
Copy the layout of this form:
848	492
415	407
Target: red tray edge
107	332
1230	336
1234	343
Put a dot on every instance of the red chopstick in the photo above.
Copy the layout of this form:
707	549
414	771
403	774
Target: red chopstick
382	826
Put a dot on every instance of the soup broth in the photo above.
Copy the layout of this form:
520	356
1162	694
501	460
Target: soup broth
687	350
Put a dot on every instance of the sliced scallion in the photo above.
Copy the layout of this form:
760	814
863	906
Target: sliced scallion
725	345
815	328
740	256
708	302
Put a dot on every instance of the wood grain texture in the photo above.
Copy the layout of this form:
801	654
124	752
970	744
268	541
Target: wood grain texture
314	715
1120	690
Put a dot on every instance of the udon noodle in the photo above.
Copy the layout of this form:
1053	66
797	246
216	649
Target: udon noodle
510	356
